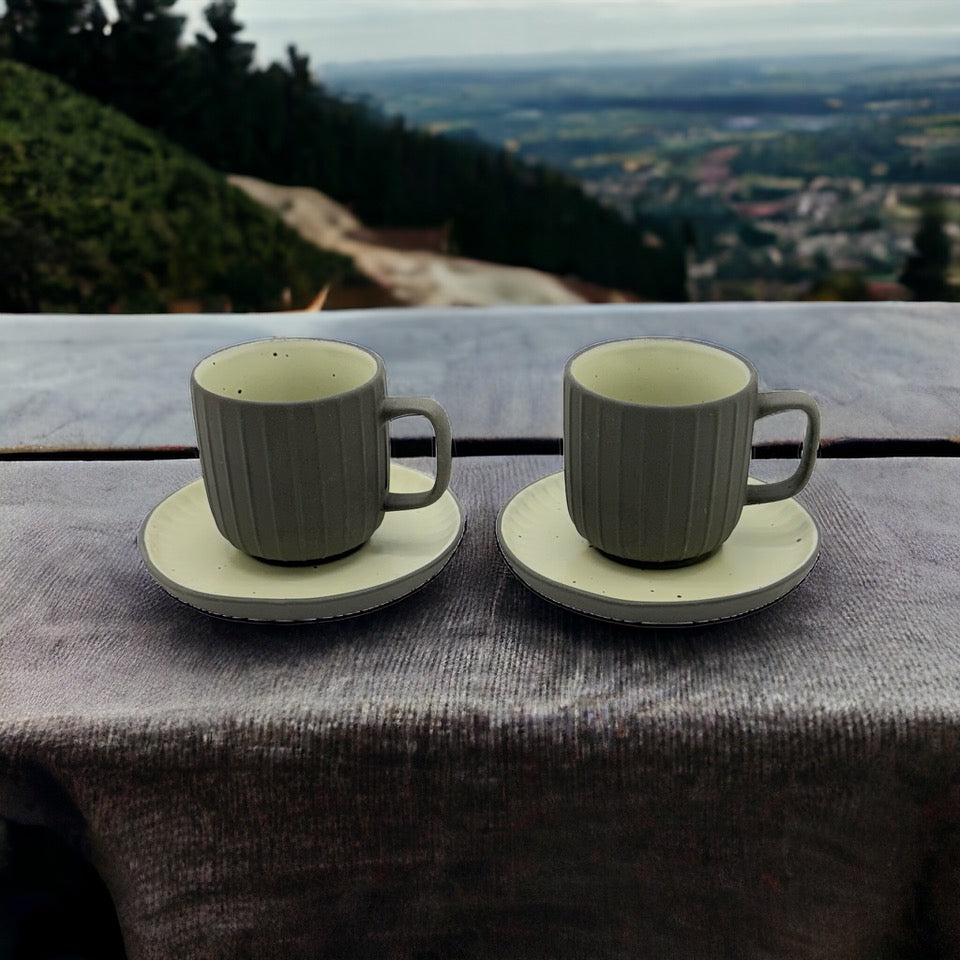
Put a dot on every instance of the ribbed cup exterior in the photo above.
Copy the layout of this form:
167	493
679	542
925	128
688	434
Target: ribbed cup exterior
294	481
656	484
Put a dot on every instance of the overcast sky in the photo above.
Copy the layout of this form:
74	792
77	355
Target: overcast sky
358	30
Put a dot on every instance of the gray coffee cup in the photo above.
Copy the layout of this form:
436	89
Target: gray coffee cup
657	438
295	448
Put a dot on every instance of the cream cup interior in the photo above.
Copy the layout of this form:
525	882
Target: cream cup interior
660	372
286	371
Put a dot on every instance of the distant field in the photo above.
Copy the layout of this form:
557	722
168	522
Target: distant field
778	171
570	117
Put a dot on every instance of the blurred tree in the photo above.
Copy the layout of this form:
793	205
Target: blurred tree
925	272
213	108
231	57
144	56
55	35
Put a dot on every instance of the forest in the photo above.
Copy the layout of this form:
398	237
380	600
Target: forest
278	123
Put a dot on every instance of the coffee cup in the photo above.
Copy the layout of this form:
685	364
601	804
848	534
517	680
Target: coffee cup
295	449
657	438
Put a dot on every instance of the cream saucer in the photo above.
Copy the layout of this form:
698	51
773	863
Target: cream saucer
191	560
772	549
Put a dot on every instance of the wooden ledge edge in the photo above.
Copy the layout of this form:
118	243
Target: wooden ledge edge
832	448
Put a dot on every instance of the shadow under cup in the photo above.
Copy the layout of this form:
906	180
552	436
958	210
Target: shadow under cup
657	439
295	449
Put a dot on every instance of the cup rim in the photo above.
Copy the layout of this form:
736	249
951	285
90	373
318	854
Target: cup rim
752	380
379	371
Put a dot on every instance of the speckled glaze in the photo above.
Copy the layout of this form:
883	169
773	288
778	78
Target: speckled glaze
769	553
295	448
657	442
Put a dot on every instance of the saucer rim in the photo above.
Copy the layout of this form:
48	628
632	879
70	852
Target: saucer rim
342	605
661	613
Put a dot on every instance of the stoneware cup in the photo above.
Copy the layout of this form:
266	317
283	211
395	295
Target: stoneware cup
657	440
295	447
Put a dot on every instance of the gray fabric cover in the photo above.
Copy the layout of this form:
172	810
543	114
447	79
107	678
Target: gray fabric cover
476	773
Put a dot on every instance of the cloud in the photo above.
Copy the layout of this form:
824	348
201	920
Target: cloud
344	30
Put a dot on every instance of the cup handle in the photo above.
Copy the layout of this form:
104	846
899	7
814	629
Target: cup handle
393	407
776	401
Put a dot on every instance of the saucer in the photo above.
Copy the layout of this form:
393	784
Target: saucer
771	550
186	554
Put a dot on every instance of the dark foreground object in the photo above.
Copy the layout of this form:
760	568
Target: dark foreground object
53	905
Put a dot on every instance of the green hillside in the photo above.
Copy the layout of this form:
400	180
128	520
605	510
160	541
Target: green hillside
100	214
208	95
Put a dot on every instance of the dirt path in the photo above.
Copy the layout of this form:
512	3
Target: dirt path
415	277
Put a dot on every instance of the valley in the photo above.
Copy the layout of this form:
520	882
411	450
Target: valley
783	178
